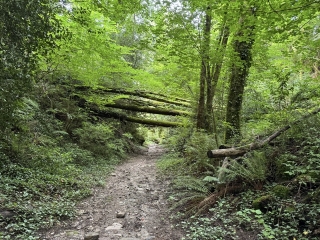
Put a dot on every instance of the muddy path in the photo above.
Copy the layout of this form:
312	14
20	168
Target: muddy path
132	206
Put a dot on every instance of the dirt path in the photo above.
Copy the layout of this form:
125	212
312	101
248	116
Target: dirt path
132	206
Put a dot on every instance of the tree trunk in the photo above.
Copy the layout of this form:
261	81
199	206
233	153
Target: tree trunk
161	111
217	70
205	70
213	81
123	117
242	45
83	103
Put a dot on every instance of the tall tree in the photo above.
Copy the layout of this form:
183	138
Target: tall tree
214	78
274	24
242	46
205	75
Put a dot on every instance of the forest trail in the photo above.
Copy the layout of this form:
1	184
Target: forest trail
132	206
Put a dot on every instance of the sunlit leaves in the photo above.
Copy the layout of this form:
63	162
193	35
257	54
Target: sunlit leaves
91	55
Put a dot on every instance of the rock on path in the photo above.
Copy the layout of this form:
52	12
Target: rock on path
132	206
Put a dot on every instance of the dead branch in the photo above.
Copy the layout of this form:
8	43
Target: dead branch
239	151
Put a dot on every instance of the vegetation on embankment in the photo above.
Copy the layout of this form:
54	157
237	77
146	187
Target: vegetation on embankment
47	165
269	193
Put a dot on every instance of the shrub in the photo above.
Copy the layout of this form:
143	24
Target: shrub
100	140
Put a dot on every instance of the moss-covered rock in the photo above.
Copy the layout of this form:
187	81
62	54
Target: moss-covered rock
281	191
262	202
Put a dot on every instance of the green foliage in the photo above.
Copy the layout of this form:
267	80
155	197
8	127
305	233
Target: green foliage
188	193
35	197
28	29
42	189
251	169
288	218
217	226
44	173
267	214
171	164
44	163
100	139
155	135
195	152
234	218
90	55
281	191
261	202
302	156
80	156
178	139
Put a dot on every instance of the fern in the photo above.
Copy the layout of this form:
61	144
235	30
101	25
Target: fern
190	191
252	169
195	152
190	184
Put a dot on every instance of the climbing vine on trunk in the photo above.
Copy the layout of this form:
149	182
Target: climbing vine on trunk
242	45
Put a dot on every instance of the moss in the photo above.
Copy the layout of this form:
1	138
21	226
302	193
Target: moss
304	178
281	191
290	209
262	202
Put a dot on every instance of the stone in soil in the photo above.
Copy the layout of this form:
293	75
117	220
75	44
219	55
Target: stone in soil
91	236
121	214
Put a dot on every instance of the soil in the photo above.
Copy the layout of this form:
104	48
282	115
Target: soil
131	206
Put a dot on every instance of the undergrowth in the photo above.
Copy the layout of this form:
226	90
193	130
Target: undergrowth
47	165
272	193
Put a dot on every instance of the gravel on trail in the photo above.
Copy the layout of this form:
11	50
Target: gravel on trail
131	206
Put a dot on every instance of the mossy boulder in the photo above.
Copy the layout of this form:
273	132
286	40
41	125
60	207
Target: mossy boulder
262	202
281	191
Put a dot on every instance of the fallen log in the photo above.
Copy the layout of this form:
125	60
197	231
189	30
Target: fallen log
123	117
95	111
143	94
240	151
162	111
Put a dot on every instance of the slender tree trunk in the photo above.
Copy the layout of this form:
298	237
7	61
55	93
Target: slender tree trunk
212	81
242	46
223	45
205	70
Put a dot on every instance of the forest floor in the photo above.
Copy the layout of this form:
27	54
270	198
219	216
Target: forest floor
131	206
